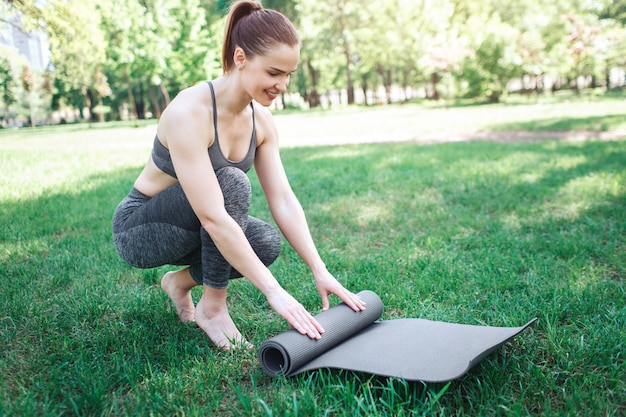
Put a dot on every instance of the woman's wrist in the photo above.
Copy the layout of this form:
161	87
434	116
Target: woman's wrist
318	269
267	284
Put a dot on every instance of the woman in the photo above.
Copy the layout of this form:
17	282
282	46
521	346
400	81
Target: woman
189	206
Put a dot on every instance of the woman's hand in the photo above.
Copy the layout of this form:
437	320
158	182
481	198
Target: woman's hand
295	314
327	284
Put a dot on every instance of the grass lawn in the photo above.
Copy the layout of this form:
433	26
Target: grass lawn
468	232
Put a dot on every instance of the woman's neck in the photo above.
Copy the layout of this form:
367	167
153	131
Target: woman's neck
233	99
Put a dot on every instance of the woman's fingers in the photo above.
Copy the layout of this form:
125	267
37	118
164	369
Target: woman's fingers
327	284
354	302
306	324
295	314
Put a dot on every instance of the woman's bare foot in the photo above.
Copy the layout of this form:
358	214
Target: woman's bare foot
213	318
177	285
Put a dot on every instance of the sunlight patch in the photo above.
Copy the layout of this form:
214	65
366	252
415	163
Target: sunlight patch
23	249
588	278
579	194
362	211
511	222
367	214
339	152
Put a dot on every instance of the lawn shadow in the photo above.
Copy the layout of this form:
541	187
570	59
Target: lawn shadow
465	211
487	234
83	321
443	220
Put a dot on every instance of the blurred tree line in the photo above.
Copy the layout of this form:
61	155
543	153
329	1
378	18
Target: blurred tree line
128	58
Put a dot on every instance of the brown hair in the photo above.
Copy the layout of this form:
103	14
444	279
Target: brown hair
255	30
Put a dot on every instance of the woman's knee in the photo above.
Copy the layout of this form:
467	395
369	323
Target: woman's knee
237	192
265	242
264	239
273	247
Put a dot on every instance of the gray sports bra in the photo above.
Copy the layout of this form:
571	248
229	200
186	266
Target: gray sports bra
163	160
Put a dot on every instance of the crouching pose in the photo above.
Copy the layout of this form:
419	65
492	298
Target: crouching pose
189	206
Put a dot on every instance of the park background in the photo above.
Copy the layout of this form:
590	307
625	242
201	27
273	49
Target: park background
488	194
126	59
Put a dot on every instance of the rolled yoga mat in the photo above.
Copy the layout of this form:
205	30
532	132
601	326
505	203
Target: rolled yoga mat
413	349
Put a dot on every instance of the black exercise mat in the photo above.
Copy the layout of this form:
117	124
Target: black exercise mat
413	349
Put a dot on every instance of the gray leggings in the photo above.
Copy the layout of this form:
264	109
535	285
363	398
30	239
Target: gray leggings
163	230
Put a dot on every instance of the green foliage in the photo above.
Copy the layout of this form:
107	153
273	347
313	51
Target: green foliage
493	65
476	232
8	84
387	51
615	9
160	45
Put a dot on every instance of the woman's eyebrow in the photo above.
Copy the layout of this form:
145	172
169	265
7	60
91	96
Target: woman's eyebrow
282	71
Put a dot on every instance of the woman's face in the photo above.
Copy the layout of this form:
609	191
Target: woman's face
266	76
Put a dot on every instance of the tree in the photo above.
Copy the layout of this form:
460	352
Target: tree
76	42
148	50
583	33
102	90
316	42
615	10
328	30
8	86
447	42
196	46
159	47
28	85
286	7
384	44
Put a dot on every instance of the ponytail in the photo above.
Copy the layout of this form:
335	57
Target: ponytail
254	29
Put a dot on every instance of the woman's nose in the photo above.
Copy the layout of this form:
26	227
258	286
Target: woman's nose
281	86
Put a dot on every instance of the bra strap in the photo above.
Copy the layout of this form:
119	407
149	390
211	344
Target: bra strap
215	111
214	108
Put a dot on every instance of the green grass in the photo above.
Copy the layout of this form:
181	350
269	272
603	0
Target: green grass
473	232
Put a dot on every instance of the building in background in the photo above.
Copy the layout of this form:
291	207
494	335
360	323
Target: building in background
19	47
32	45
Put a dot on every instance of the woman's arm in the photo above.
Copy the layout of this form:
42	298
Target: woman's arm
290	218
188	131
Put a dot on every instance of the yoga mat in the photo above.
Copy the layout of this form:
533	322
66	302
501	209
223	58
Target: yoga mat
413	349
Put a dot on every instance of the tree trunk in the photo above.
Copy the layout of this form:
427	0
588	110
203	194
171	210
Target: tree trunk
91	102
349	72
347	52
434	79
155	101
313	96
140	102
32	113
165	94
539	84
131	97
101	112
364	87
388	82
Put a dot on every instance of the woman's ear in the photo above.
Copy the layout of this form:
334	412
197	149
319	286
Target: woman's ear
239	58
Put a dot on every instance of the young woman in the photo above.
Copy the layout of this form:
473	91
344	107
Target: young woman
189	206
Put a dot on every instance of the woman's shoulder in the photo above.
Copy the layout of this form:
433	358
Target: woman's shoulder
191	97
189	104
188	110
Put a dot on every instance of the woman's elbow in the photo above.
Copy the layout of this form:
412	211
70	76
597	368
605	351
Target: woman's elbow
214	223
